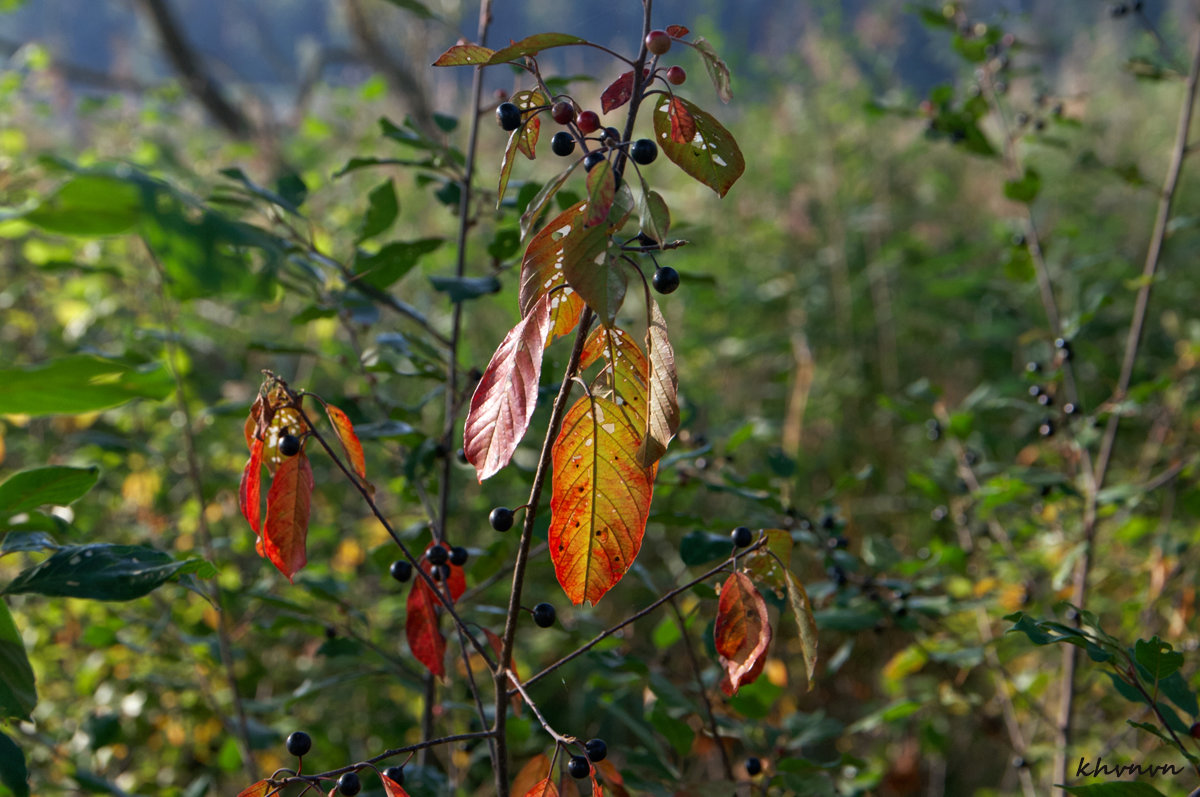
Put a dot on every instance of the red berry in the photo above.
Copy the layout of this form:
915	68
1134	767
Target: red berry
588	121
562	112
658	41
676	75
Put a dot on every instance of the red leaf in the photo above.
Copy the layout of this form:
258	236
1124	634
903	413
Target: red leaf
421	622
697	143
612	777
662	415
464	55
677	31
391	787
600	500
618	93
528	132
350	441
250	491
287	515
601	190
535	772
742	633
544	788
259	789
506	395
597	791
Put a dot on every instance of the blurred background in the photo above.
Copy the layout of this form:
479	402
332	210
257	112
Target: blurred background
855	323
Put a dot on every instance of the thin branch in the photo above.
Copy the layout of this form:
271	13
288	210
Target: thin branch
520	689
708	709
315	780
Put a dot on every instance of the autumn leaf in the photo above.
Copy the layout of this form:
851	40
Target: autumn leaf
626	369
350	442
717	70
742	633
259	789
421	621
677	31
542	268
802	608
662	415
612	777
286	529
544	788
601	190
767	566
697	143
464	55
391	787
528	138
618	92
537	205
506	395
250	490
506	165
536	770
532	45
600	500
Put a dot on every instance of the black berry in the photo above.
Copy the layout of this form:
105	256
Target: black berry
591	159
289	445
461	454
563	143
544	615
665	280
1045	399
458	556
1033	366
613	133
395	774
597	750
1070	409
1035	390
658	41
1046	427
1019	762
437	555
349	784
508	115
440	572
643	151
501	518
578	767
753	766
562	112
742	536
401	570
299	743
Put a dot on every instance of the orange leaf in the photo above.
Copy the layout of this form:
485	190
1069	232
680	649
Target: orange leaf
600	501
677	31
287	515
506	395
612	777
597	791
464	54
543	264
421	623
497	644
662	416
617	93
250	491
528	138
391	787
742	633
350	441
533	773
626	370
544	788
259	789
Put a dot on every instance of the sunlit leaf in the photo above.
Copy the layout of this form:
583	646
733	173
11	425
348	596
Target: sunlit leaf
617	93
654	218
18	690
286	529
626	369
54	485
391	788
662	415
742	633
465	55
77	384
543	788
765	569
532	45
350	442
601	190
506	395
250	490
537	205
528	138
717	69
697	143
90	204
506	164
600	499
421	620
677	31
543	264
536	770
259	789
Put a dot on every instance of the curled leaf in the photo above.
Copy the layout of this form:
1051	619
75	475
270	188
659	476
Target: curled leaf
350	442
742	633
662	413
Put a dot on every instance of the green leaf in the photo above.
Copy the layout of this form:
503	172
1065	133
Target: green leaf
1024	189
103	572
1120	788
700	547
654	219
382	209
532	45
1176	688
599	281
77	384
393	261
1157	657
802	608
697	143
13	773
18	691
27	542
54	486
90	204
716	68
601	190
463	288
677	732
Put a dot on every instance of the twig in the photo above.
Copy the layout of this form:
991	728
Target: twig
708	709
316	779
520	689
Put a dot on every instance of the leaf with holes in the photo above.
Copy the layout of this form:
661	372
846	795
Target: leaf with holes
286	529
717	69
662	413
250	490
421	621
528	138
537	205
391	788
802	608
536	770
617	93
542	268
532	45
350	442
601	190
742	633
697	143
465	55
506	395
626	370
600	499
